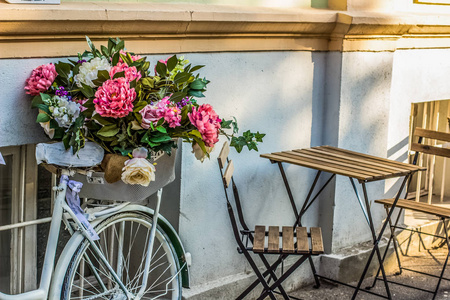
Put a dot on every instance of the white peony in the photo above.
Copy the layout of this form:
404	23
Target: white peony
138	171
88	71
64	111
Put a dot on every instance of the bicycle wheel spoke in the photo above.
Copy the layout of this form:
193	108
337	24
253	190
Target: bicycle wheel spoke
124	240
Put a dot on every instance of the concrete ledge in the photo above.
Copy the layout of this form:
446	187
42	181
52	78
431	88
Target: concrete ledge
347	265
58	30
232	286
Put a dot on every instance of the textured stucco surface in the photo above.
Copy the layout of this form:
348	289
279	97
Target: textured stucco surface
354	100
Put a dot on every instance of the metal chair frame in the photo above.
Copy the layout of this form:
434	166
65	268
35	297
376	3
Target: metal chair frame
268	289
419	147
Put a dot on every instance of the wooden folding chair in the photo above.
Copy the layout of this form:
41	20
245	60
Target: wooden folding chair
440	212
294	241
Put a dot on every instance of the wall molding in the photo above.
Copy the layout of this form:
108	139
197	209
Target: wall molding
148	28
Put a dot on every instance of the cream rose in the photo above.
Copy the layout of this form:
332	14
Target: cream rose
138	171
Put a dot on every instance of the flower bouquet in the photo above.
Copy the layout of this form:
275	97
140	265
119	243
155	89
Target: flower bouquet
117	100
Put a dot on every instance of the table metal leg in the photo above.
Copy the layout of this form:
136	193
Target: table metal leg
377	239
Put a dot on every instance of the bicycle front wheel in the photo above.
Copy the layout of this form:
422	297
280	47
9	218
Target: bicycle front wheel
123	243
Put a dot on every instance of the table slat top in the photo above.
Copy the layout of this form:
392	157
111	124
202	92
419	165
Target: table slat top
348	163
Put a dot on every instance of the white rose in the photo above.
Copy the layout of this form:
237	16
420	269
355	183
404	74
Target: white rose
88	71
138	171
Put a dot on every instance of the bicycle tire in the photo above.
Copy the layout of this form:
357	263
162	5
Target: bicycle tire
86	273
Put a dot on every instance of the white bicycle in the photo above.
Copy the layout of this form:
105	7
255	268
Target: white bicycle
115	251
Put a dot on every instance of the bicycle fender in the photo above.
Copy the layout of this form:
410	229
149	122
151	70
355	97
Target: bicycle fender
174	239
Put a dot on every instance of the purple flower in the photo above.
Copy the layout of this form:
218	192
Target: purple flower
183	102
61	92
80	61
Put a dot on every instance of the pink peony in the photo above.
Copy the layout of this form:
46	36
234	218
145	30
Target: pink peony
41	79
162	109
207	122
131	73
133	57
114	98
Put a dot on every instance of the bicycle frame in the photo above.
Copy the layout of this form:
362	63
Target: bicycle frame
60	206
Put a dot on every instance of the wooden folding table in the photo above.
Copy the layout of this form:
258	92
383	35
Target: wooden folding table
362	167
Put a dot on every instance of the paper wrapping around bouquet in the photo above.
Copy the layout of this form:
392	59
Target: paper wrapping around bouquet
119	191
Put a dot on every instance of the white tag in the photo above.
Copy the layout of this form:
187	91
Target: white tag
2	161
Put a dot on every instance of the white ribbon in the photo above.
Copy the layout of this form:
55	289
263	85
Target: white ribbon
73	200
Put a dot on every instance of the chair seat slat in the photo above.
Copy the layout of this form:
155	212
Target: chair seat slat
316	240
288	240
274	240
302	240
260	236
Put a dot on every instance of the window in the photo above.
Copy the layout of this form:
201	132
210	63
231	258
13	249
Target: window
25	195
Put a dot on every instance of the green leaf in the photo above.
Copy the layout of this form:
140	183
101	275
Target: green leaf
119	74
140	105
172	63
37	100
120	45
226	124
42	118
91	45
195	68
63	69
108	130
115	58
126	58
122	151
161	129
161	69
147	82
44	108
111	44
259	137
45	98
146	66
102	120
87	91
160	138
177	96
196	93
103	75
105	51
252	146
197	84
181	77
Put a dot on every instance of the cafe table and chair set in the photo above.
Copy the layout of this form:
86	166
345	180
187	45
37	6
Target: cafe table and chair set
262	241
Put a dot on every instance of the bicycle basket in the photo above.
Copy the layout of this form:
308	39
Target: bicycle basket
97	188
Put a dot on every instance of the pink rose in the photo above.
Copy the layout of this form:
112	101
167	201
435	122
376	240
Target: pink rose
131	73
150	114
41	79
162	109
114	98
207	122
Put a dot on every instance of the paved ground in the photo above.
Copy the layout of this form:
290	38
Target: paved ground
429	264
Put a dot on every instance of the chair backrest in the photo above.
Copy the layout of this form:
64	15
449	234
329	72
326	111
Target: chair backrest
227	179
432	135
